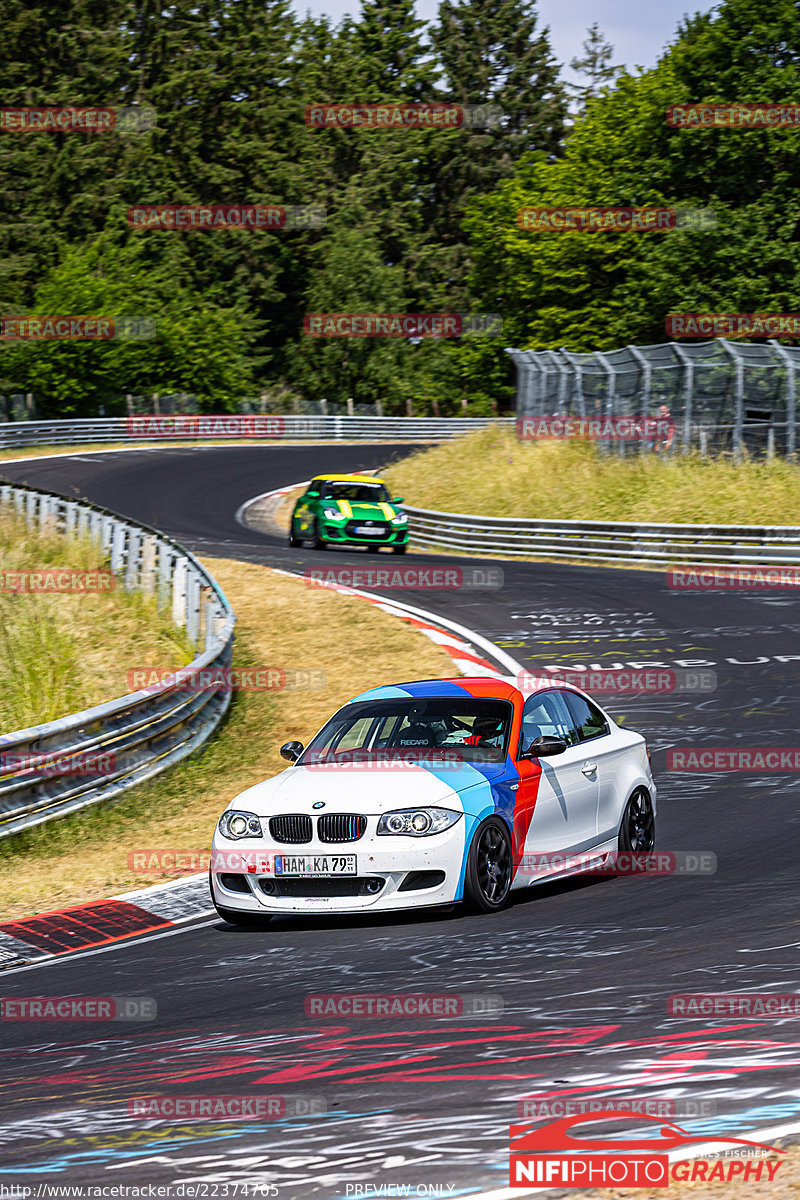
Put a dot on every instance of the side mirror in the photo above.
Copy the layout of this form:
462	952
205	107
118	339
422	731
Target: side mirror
545	747
312	495
291	751
397	499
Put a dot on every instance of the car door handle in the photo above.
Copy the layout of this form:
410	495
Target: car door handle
589	768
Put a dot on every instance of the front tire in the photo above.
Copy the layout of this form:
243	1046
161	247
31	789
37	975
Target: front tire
487	883
318	542
637	831
400	549
293	539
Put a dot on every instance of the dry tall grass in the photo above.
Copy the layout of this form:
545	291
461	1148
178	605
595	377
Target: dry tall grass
53	661
492	473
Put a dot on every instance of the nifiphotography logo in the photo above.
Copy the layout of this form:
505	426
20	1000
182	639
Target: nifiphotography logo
551	1157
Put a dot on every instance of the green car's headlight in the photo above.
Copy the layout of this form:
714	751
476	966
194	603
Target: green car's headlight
333	514
401	519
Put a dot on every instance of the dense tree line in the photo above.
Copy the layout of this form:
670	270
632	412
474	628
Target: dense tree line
417	220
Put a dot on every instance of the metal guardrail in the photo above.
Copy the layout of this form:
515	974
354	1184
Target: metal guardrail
608	541
145	732
290	427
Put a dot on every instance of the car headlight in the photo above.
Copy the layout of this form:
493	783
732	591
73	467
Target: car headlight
417	822
333	514
401	519
235	825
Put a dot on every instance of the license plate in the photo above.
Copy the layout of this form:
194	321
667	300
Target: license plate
366	529
315	864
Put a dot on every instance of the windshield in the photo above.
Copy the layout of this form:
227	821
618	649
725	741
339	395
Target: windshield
436	729
371	492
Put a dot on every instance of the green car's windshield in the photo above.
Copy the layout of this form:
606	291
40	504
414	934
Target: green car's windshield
468	730
374	493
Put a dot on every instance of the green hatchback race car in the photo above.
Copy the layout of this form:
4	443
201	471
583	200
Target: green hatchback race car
351	510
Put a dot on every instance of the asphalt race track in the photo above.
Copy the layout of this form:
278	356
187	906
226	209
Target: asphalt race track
583	969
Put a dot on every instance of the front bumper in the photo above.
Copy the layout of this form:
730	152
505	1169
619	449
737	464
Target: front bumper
336	531
433	871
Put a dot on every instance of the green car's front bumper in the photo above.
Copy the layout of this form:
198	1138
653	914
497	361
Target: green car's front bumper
359	532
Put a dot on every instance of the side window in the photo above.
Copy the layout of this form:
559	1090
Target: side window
545	715
587	720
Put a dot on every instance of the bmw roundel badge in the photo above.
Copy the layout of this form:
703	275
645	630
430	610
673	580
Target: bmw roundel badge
319	804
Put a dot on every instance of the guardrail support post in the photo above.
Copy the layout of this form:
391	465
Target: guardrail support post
134	541
118	538
192	606
149	557
70	518
179	588
165	557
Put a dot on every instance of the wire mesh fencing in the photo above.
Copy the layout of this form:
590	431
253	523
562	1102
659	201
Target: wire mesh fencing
720	395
